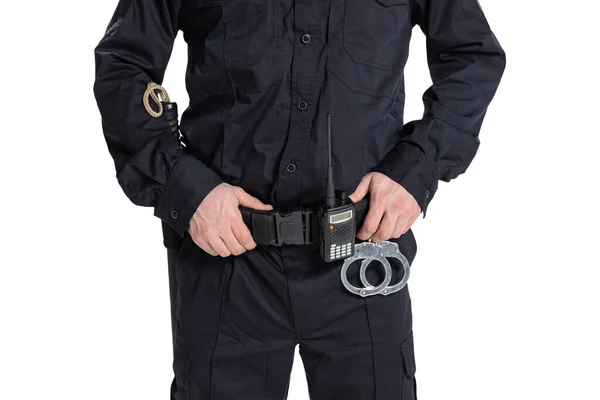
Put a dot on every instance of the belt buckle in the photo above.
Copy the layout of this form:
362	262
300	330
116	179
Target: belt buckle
291	228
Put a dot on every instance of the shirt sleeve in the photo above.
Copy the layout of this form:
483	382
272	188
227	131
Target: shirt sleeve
151	167
466	63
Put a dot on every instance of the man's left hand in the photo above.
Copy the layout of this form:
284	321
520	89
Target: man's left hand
392	210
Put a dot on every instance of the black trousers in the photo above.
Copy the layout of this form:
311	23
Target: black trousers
237	320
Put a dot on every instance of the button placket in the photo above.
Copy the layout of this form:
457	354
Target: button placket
303	91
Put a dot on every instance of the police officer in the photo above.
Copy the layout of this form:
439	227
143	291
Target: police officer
262	75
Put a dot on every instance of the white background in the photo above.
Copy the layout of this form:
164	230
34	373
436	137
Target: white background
505	283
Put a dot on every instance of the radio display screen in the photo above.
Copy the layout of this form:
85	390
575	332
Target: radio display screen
334	219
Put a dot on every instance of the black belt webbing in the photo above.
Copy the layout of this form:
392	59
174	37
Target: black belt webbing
276	228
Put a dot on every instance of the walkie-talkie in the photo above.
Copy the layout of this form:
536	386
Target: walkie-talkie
337	215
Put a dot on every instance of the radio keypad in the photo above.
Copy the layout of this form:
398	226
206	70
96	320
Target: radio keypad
340	251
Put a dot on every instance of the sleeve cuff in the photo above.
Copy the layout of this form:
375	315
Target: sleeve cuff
413	170
189	184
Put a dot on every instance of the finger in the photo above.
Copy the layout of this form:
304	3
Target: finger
206	247
247	200
232	243
412	221
404	224
386	227
362	189
219	246
243	235
400	228
369	227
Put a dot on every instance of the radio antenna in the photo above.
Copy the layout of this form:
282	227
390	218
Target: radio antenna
330	199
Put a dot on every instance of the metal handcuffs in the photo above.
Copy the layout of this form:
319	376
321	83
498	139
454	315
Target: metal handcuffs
368	252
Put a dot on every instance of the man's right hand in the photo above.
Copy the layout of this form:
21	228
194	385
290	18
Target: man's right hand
217	225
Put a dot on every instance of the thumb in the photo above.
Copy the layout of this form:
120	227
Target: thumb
362	189
246	200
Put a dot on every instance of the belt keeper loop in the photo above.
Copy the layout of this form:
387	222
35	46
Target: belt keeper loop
307	223
260	228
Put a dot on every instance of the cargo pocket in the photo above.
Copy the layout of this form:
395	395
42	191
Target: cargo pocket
182	362
368	45
373	30
249	30
227	33
409	384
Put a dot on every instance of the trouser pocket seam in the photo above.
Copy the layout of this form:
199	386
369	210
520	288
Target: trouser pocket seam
182	363
409	388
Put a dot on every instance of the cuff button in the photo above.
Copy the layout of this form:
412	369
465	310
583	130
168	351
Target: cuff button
427	194
174	214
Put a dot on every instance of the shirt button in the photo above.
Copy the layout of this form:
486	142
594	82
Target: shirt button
302	105
306	38
427	194
174	214
291	168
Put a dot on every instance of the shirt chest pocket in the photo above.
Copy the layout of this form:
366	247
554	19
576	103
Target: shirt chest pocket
373	31
227	32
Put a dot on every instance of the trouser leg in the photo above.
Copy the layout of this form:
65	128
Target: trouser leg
353	348
171	258
237	321
234	335
367	356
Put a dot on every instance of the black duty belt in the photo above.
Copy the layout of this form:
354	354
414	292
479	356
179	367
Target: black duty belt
275	228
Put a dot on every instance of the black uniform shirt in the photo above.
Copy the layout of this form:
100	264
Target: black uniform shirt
262	76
